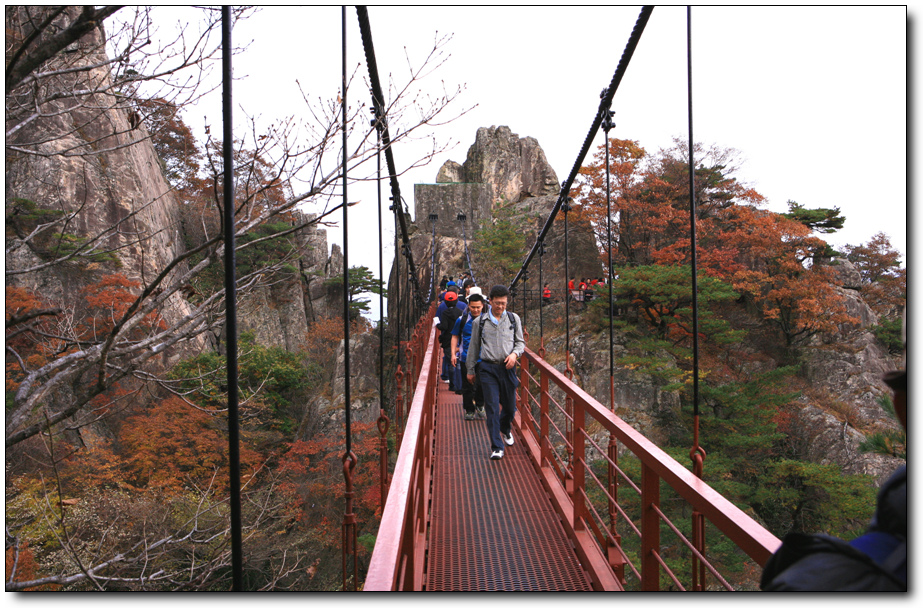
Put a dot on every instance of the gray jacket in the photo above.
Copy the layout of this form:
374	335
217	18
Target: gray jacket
498	340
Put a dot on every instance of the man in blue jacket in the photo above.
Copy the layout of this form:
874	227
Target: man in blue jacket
472	395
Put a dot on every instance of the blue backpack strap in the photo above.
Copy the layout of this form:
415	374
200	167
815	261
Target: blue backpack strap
886	550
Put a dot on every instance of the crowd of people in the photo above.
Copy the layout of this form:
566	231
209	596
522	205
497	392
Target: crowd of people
482	342
479	357
584	290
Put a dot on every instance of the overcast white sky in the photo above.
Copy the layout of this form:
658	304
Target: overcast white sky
813	98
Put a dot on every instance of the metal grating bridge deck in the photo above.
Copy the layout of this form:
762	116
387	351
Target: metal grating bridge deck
492	525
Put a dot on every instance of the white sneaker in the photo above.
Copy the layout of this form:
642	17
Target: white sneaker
508	439
496	455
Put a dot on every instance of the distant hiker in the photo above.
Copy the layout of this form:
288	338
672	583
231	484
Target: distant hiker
546	295
472	394
467	284
589	293
496	345
443	283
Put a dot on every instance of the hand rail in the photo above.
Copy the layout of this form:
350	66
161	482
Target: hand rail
398	558
604	557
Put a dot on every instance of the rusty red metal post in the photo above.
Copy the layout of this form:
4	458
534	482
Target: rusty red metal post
650	529
615	556
383	424
543	421
577	467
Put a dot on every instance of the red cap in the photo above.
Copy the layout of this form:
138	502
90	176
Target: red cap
451	296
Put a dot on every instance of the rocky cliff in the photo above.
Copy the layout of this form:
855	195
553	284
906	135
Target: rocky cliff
280	313
841	374
86	198
501	170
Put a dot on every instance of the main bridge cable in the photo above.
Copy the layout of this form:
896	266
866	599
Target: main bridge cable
604	104
382	125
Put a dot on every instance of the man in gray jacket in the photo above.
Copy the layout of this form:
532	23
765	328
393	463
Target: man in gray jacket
496	345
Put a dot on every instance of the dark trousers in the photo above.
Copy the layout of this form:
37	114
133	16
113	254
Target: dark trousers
472	394
499	386
448	370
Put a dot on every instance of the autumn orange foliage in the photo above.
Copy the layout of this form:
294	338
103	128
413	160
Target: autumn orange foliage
174	445
313	481
762	254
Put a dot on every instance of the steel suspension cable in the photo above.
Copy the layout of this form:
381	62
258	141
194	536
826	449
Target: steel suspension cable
605	103
566	209
607	125
365	30
230	299
349	458
397	293
693	244
381	277
697	453
541	308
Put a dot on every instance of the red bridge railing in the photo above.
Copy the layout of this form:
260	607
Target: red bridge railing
399	556
560	456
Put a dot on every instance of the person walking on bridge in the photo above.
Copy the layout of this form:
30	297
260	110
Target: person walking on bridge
472	395
447	320
496	345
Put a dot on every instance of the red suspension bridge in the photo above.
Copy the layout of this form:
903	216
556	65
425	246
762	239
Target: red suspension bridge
543	518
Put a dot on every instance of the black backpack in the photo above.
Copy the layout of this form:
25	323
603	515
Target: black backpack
446	322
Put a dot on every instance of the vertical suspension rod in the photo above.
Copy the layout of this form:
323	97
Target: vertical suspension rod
566	208
697	453
345	250
607	126
381	280
349	458
230	299
692	232
541	283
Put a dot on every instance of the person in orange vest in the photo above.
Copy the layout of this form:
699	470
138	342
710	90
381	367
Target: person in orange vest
546	295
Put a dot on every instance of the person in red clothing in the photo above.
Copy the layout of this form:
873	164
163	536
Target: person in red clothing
570	284
546	295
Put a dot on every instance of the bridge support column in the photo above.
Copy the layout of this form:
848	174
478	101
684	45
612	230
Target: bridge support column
650	529
577	466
